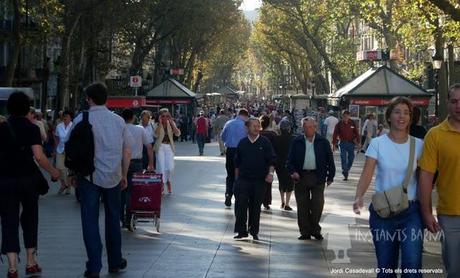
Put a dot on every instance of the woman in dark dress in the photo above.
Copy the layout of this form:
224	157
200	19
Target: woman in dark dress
282	144
20	152
270	134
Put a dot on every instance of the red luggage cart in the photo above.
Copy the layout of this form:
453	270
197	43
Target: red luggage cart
146	199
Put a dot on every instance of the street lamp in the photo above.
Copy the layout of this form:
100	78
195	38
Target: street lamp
437	64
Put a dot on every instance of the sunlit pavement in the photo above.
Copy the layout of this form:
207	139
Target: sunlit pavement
196	233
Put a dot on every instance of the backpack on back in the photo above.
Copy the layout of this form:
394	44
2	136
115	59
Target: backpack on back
79	149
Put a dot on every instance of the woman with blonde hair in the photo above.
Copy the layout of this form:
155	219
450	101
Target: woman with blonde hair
164	146
401	231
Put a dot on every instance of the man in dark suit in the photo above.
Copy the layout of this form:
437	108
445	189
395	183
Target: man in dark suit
311	165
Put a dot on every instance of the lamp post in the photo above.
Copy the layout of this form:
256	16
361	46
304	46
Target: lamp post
437	65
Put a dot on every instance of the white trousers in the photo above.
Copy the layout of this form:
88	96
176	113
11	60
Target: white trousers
165	162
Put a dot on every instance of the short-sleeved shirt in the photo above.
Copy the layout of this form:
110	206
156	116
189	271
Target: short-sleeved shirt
392	160
150	129
111	136
442	152
331	122
13	161
140	139
61	132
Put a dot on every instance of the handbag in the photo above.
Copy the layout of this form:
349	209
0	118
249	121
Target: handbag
41	182
392	202
38	178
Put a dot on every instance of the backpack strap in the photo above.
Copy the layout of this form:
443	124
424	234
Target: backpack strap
411	164
86	116
86	120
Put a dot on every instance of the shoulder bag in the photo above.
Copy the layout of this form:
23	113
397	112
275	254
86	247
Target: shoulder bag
41	182
392	202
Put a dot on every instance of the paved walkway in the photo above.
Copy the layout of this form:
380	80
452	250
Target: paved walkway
196	238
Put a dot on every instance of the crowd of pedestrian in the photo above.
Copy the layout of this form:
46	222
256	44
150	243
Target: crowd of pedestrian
257	141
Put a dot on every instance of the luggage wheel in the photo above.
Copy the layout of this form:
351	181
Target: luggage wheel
156	222
132	224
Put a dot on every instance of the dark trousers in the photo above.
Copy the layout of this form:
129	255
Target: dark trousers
200	140
125	214
16	193
249	195
309	195
90	195
183	133
230	166
268	194
145	157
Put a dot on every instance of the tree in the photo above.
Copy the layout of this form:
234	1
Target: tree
39	19
448	7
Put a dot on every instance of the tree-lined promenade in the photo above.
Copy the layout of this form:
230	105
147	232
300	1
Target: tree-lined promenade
302	46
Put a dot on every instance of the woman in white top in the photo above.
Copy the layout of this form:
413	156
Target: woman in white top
389	154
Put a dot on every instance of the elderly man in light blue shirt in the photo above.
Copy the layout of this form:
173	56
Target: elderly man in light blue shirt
234	130
112	154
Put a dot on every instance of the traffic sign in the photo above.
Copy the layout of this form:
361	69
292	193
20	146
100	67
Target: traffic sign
176	71
135	81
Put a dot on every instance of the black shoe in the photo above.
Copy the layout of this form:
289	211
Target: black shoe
304	237
91	275
255	237
241	235
345	178
123	265
228	201
267	207
288	208
318	236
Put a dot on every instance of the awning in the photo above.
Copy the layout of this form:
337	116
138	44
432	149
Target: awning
383	102
125	102
170	88
168	101
380	82
5	92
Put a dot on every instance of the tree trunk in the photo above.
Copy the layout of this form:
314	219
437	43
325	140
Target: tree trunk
45	76
451	66
17	45
198	81
442	74
157	74
65	64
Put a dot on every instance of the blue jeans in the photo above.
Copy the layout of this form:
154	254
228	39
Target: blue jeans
200	139
347	155
90	195
405	232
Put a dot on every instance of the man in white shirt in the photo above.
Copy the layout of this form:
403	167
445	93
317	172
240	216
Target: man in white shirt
370	128
330	122
60	134
149	126
141	139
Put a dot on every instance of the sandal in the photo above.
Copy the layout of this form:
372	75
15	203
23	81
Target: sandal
34	269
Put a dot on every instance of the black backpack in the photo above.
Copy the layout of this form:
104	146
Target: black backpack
79	149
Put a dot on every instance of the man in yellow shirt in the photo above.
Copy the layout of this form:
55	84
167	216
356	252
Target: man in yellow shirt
441	152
